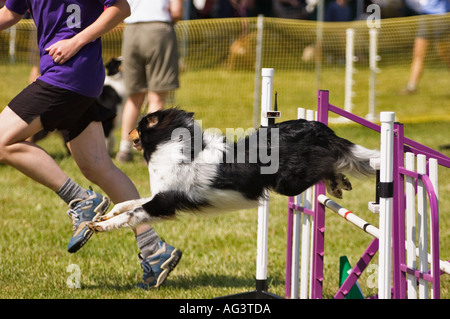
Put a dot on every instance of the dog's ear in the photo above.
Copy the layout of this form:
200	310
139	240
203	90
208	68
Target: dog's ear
152	120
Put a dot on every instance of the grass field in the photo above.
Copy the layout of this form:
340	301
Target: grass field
219	252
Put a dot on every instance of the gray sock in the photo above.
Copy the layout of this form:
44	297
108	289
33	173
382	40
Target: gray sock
147	242
71	190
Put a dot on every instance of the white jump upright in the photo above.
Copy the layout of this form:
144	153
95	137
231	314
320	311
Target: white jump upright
301	235
268	116
433	174
410	193
263	209
386	203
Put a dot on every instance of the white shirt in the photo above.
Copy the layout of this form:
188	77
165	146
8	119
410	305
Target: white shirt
149	10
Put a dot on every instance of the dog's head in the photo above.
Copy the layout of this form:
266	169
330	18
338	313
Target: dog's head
157	127
113	66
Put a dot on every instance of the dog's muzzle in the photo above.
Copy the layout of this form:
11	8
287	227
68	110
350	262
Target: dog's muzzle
134	136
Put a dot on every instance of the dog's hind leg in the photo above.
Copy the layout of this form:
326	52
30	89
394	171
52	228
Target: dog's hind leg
344	182
336	184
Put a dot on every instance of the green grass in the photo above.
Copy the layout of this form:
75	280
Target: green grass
218	252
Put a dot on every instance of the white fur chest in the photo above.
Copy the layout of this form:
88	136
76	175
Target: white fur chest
171	169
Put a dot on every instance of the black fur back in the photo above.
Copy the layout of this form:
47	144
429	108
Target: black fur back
308	152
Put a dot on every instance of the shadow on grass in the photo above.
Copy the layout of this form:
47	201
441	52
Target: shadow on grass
188	282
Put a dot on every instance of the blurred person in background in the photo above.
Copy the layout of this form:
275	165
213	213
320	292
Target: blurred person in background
338	11
290	9
150	61
437	31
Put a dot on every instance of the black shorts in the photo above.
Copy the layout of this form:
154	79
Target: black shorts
59	109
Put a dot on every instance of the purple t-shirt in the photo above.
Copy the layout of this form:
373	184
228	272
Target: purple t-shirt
56	20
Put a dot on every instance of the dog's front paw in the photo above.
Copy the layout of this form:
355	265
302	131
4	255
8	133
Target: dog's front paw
95	227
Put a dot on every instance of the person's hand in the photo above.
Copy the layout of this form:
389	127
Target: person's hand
63	50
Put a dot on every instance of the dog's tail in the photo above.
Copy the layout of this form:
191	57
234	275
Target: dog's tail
355	161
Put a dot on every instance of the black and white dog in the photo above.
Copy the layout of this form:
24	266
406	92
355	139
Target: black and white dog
113	97
201	172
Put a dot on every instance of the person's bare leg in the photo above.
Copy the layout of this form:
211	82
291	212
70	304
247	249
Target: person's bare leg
419	53
89	151
25	156
156	101
131	113
130	117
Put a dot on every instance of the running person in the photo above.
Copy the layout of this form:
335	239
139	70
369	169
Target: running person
64	98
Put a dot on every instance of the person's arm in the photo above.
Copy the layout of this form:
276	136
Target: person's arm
63	50
176	10
8	18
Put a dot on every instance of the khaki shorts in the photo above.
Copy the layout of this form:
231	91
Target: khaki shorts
150	57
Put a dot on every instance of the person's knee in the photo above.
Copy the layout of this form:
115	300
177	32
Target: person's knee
12	132
95	172
3	153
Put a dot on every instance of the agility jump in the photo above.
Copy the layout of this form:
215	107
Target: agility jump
397	248
306	217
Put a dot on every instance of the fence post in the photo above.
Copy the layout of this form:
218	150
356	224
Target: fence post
12	44
258	64
373	59
349	69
